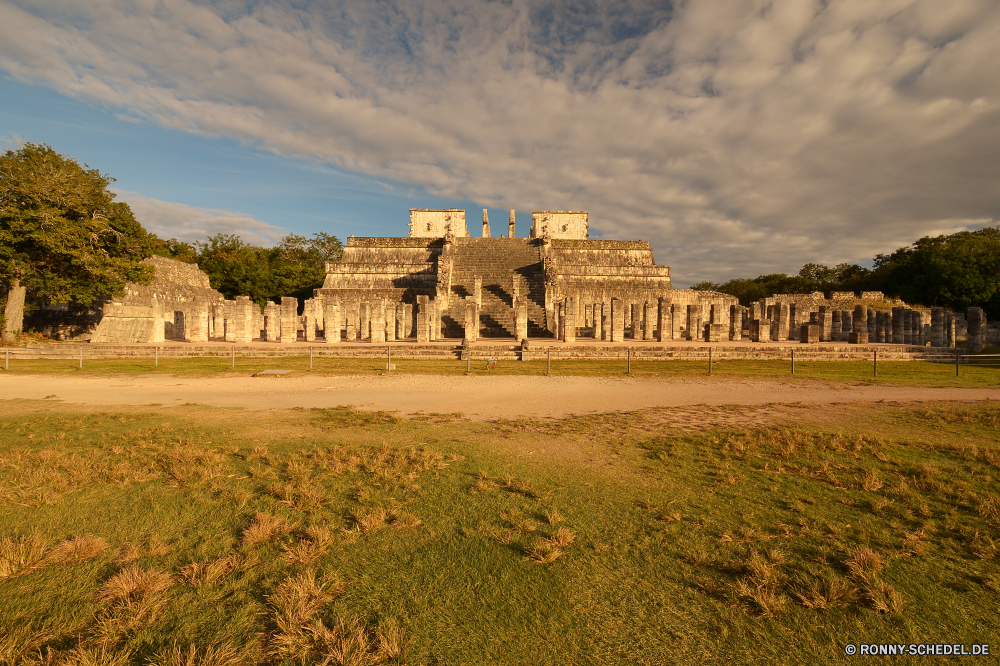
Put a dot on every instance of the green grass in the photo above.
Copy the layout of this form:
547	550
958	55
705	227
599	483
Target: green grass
294	536
903	373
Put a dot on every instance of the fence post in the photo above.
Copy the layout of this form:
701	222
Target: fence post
81	358
875	363
388	359
156	357
6	360
628	354
548	361
310	359
234	357
468	361
793	360
956	361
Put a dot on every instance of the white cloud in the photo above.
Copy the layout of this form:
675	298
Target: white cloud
739	138
191	223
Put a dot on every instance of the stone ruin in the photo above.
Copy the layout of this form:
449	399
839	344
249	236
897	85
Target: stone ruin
440	283
556	283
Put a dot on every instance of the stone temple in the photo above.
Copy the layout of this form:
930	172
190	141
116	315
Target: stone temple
553	283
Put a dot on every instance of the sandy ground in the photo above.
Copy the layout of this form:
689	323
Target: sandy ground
476	397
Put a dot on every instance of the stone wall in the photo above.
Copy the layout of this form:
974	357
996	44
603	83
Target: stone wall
437	223
568	224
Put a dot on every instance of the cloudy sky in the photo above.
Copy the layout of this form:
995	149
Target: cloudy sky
739	138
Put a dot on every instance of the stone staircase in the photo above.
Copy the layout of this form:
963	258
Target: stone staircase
496	261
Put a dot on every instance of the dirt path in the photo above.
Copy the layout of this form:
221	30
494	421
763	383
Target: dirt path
476	397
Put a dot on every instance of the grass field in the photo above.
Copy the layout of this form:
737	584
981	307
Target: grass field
195	535
903	373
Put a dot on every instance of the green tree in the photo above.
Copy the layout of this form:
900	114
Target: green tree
293	267
955	271
62	235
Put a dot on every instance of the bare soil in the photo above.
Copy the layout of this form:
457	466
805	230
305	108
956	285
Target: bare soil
475	397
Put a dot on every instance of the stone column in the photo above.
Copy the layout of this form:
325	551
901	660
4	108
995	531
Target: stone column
897	326
365	329
665	328
196	322
401	321
907	326
949	329
569	320
678	321
974	331
617	320
471	323
835	325
309	324
781	313
331	321
390	322
486	225
859	326
606	321
521	319
289	319
272	321
846	325
736	323
410	320
510	225
377	336
871	325
433	321
636	310
244	319
649	321
423	319
879	327
352	311
694	322
760	330
826	322
918	327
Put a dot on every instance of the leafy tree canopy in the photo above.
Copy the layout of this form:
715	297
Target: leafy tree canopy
293	267
62	235
954	271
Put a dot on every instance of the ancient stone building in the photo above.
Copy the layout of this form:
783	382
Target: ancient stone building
554	283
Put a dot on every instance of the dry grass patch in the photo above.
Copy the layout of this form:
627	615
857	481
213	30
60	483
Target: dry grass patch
221	654
206	573
78	549
265	528
317	542
543	552
20	554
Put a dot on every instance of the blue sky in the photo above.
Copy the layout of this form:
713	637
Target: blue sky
737	138
219	173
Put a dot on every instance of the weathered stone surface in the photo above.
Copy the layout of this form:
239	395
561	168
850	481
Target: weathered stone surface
561	224
809	333
736	323
974	333
289	319
617	320
13	312
331	319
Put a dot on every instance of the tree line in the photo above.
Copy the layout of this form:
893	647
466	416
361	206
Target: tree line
64	239
954	271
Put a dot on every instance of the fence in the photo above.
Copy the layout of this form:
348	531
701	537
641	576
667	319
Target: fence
491	354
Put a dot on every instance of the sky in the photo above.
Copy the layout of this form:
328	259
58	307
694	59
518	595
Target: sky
738	137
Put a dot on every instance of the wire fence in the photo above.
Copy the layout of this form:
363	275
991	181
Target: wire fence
491	355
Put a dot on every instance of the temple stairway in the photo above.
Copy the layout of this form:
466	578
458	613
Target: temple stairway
496	261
